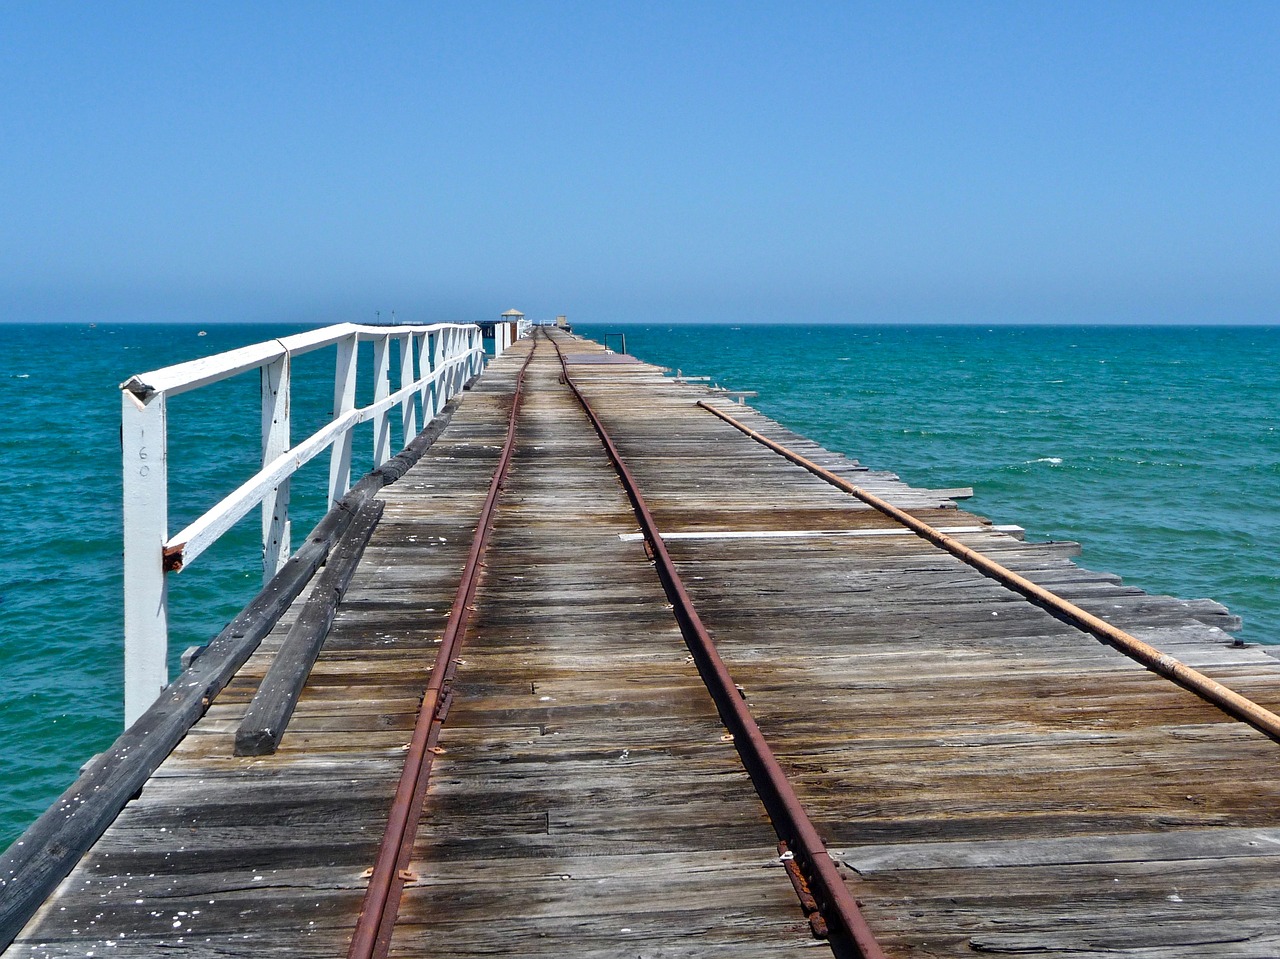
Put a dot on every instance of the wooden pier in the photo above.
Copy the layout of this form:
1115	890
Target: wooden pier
987	777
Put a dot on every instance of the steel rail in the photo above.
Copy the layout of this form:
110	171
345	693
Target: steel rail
372	937
844	921
1225	698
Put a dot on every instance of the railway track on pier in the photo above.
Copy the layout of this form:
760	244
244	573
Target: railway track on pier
822	896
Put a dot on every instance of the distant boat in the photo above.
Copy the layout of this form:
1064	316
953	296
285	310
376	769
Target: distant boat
202	333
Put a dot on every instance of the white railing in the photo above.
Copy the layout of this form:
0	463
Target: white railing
446	356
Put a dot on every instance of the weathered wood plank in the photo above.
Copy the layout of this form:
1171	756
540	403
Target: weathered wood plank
268	714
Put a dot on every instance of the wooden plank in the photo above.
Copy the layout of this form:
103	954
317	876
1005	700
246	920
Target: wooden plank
268	714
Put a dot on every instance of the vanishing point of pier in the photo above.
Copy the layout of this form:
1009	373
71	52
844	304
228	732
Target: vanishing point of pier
606	664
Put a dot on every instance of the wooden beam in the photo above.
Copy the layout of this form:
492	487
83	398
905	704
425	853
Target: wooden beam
268	714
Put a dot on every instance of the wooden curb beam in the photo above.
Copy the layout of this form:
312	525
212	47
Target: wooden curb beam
1225	698
268	714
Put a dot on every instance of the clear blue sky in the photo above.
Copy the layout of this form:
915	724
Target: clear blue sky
976	162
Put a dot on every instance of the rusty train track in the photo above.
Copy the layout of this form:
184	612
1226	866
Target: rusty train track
832	910
823	896
1210	690
374	928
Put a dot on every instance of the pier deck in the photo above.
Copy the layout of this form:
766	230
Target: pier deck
987	777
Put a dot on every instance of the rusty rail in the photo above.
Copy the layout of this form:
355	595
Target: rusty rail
844	921
1225	698
372	937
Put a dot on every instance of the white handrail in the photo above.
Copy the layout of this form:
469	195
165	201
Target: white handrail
183	547
448	355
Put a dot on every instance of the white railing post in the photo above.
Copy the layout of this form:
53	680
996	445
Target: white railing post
460	359
497	339
429	408
451	374
146	522
475	341
439	389
408	412
381	390
275	442
344	400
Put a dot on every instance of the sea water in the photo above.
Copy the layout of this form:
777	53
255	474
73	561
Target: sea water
1156	448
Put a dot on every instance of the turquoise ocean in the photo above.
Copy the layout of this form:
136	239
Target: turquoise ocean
1156	448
